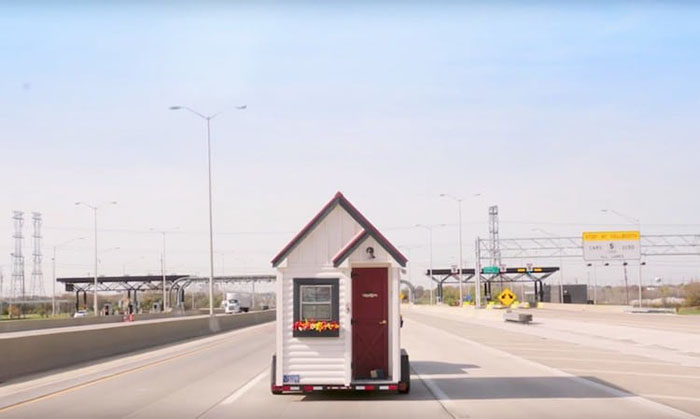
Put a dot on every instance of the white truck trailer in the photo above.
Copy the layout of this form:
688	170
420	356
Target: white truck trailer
338	308
236	302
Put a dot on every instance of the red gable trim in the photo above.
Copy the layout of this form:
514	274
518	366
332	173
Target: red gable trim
350	247
286	250
369	229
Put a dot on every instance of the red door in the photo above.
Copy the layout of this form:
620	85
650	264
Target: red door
370	337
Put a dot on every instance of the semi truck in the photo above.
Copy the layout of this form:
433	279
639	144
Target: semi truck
236	302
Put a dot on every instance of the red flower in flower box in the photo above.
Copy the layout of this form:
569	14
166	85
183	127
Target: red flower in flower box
316	325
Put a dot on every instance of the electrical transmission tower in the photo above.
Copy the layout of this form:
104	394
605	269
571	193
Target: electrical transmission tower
37	285
494	241
17	284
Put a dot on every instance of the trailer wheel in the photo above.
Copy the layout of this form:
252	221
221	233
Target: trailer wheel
405	384
273	374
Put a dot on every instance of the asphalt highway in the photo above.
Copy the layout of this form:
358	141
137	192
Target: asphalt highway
462	367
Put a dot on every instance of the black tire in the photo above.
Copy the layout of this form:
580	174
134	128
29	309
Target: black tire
273	373
405	373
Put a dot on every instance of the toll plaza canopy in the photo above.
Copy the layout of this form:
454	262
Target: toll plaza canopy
133	284
487	277
119	283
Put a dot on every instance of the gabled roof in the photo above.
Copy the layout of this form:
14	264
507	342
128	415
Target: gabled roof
367	230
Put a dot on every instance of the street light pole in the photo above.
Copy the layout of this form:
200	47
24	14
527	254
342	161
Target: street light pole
94	209
163	267
638	223
459	274
53	270
561	265
459	208
208	118
430	243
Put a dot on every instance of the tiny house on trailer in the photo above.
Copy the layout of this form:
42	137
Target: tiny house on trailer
338	318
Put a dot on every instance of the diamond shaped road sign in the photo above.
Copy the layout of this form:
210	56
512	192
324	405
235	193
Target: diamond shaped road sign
506	297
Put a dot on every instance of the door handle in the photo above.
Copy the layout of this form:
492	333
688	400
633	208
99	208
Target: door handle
383	322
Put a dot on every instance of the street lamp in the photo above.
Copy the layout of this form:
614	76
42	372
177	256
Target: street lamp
94	208
637	222
478	285
53	269
459	209
410	271
561	264
126	264
430	243
111	249
162	264
208	118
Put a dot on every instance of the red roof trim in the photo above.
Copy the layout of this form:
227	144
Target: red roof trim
350	247
306	230
372	230
369	229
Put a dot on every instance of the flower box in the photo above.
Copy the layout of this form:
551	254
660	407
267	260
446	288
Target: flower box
316	328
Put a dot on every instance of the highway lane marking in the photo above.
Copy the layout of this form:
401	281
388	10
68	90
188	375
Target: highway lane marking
244	389
616	361
70	389
439	395
9	388
240	391
662	396
589	341
640	374
535	349
668	411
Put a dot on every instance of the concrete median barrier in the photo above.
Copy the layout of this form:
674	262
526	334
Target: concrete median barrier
9	326
42	350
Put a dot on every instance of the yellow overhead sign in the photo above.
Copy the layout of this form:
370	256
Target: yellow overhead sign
608	236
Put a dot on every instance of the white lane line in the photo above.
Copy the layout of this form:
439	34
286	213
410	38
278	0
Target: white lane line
662	396
244	389
639	374
440	396
614	361
667	411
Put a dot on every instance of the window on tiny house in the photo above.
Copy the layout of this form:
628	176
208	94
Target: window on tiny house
316	302
316	299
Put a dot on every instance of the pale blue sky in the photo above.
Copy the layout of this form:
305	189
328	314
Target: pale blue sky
551	111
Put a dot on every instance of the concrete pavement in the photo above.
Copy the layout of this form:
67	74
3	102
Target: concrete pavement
461	368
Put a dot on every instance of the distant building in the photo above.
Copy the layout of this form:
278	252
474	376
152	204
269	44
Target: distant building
573	294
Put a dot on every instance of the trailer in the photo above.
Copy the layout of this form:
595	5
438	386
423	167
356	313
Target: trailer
338	308
235	302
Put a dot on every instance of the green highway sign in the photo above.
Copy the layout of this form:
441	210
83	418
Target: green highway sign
491	270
